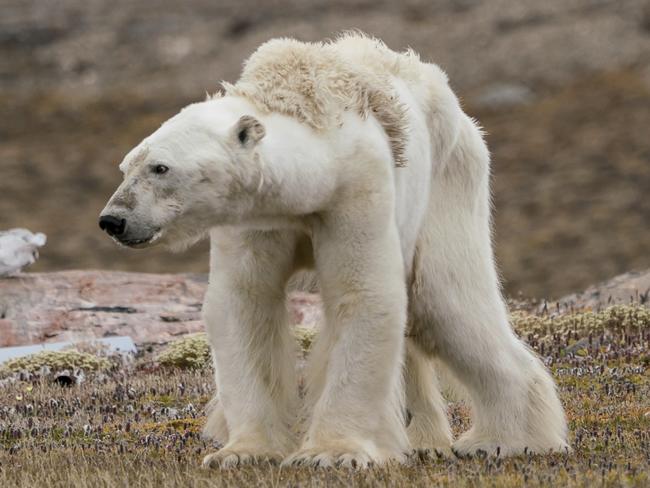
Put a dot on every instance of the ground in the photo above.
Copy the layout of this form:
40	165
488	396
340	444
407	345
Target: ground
139	424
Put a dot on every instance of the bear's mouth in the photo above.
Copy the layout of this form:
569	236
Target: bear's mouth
141	242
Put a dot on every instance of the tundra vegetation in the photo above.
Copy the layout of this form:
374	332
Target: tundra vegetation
139	423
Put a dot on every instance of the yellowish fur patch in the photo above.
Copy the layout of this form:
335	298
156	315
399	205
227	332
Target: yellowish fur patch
316	83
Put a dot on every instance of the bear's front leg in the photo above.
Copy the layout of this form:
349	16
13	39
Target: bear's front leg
354	383
252	344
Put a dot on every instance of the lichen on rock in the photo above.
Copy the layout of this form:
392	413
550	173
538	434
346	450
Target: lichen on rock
630	319
55	361
305	337
190	352
193	351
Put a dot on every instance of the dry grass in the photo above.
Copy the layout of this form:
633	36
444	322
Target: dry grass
139	425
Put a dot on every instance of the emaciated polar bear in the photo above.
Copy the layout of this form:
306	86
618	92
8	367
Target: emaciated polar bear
358	162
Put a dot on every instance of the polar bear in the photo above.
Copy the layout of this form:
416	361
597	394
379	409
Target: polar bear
357	162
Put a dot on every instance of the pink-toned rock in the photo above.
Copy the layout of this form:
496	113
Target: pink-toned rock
73	305
305	308
155	308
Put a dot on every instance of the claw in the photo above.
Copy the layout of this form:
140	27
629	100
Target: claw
229	459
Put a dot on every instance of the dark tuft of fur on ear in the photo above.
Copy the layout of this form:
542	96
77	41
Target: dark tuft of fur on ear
249	131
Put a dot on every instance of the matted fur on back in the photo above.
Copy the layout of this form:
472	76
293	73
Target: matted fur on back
314	83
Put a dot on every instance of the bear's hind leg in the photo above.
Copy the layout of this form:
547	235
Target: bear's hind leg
460	316
515	404
428	430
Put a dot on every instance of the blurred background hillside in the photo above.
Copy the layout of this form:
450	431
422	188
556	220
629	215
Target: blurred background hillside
562	88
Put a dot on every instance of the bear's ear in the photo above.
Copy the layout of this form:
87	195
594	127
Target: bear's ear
248	131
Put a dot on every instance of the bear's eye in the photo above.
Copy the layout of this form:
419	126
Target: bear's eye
242	136
159	169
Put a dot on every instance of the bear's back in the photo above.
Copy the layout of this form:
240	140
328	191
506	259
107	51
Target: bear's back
317	82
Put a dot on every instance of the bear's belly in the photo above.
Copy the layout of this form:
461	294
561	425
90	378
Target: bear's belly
412	182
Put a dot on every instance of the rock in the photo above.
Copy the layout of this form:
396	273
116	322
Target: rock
18	249
108	345
156	308
578	345
504	95
80	305
632	287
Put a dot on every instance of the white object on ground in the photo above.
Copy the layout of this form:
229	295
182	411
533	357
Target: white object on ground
18	248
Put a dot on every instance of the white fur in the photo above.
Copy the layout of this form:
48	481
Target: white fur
397	251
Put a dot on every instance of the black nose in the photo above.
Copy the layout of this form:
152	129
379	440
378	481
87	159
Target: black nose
112	225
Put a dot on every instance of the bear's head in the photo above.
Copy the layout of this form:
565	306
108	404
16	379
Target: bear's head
198	170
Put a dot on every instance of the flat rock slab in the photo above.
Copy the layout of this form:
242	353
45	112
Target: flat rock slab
81	305
632	287
114	345
156	308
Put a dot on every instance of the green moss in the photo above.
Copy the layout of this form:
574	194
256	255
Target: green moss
56	361
305	337
191	352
